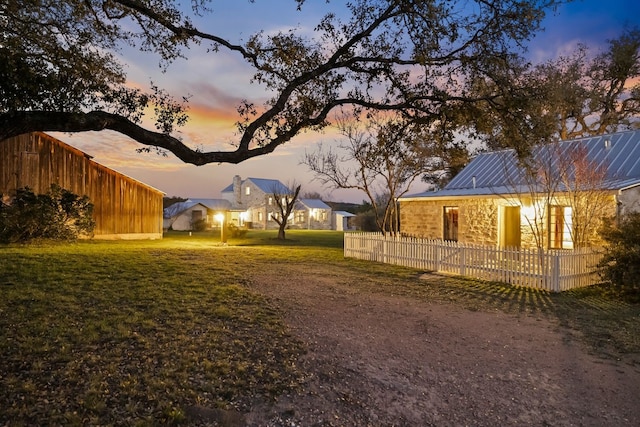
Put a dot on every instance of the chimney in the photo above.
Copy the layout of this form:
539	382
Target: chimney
237	190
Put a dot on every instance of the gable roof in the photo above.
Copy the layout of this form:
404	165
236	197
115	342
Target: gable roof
344	213
267	186
312	204
212	204
178	208
498	172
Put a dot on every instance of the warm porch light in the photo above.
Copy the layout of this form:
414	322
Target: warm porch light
309	218
220	218
243	217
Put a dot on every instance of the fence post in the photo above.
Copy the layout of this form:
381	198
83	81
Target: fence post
345	245
555	272
385	249
462	251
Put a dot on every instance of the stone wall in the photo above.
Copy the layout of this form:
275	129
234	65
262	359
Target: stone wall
630	200
477	220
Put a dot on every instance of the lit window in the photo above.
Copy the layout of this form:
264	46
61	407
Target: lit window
450	229
247	190
259	216
270	201
560	227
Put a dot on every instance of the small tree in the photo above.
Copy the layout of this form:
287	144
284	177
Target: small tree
583	180
559	174
382	159
284	201
533	182
57	215
620	264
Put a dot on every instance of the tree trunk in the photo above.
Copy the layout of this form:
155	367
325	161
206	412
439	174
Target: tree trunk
281	231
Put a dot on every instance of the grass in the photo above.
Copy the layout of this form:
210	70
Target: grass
136	332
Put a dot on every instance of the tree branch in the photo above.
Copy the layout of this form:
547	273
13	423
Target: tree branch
17	123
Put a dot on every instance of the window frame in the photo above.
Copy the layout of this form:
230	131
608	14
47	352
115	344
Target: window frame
450	223
559	226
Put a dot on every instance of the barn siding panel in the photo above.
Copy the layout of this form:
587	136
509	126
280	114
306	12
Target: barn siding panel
123	207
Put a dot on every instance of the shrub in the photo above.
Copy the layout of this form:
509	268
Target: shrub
621	262
199	225
57	215
235	231
366	221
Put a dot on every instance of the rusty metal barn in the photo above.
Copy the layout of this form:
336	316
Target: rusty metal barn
124	208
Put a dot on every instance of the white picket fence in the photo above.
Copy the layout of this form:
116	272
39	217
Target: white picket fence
552	270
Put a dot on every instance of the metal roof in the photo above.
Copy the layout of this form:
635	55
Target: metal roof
344	213
498	172
212	204
314	204
267	186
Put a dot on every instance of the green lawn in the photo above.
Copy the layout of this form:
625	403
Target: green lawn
135	332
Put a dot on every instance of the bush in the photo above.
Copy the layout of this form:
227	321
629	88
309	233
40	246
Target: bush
235	231
621	262
366	221
199	225
57	215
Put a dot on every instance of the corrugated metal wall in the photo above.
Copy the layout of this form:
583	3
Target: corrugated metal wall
123	207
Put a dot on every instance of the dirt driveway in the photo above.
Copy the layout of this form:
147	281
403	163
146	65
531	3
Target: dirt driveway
378	359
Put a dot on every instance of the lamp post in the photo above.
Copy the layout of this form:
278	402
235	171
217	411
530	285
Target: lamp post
220	218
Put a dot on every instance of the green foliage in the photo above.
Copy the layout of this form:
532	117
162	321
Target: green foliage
366	221
235	231
168	201
583	94
57	215
59	67
621	262
199	225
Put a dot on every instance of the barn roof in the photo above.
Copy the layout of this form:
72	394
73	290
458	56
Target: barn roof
499	172
76	150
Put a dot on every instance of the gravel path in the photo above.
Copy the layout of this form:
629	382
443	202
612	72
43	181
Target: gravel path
384	360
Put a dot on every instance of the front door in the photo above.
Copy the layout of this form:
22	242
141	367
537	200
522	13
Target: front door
510	227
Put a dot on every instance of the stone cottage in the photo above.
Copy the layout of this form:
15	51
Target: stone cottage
555	199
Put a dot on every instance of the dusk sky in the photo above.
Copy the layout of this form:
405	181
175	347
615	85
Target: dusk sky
218	82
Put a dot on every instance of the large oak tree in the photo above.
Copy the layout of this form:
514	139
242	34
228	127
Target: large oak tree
60	69
586	94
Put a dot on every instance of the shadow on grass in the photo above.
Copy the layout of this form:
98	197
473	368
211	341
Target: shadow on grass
607	323
294	238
